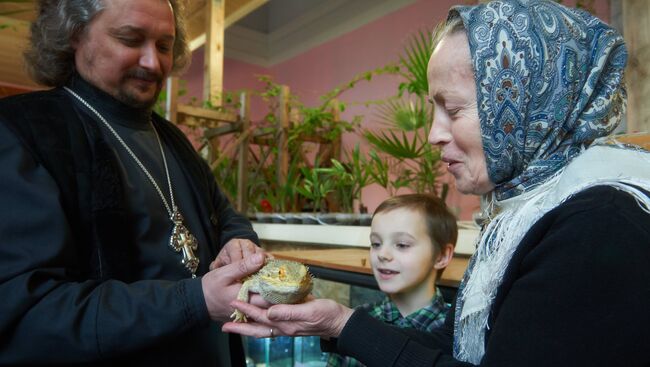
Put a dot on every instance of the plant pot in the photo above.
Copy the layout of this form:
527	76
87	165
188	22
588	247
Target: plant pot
326	218
308	218
346	219
365	219
278	218
293	218
263	217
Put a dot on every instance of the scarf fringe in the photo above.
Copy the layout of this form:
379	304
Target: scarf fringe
494	251
497	245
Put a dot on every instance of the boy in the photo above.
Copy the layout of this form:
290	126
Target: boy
412	240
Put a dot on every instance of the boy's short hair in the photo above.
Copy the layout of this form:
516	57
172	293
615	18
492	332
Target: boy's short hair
441	224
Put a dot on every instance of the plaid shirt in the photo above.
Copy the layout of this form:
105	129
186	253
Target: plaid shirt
424	319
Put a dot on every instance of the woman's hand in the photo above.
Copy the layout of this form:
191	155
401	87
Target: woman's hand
320	317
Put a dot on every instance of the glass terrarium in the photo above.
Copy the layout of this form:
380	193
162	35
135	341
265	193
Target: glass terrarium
305	351
284	351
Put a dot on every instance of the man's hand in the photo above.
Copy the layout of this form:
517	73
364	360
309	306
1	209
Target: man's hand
235	250
220	286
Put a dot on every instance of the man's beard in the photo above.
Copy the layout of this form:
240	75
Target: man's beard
131	99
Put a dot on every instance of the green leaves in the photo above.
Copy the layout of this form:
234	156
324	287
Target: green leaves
316	185
407	115
415	60
388	141
402	156
379	170
360	174
407	124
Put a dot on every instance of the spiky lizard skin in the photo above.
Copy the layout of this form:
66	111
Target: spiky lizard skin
278	281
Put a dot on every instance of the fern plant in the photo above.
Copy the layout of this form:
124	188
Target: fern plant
406	121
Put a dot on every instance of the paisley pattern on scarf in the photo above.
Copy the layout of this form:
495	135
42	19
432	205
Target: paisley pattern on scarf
549	82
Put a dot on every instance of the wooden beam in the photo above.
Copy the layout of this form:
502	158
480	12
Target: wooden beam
202	117
222	130
171	102
213	67
195	19
242	154
234	11
10	90
14	38
264	141
221	116
20	10
197	42
282	167
263	131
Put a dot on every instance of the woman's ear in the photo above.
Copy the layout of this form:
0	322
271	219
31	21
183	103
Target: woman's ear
445	255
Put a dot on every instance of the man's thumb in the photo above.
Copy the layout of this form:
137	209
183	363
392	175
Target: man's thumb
250	264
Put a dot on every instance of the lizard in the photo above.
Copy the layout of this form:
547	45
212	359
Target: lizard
278	281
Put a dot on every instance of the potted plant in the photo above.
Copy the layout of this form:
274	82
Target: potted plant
401	155
315	186
350	177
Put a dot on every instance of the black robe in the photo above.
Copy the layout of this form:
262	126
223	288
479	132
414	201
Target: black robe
78	284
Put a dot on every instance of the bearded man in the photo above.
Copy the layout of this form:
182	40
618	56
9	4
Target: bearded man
110	220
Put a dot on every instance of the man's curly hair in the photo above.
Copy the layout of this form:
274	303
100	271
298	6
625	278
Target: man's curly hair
50	57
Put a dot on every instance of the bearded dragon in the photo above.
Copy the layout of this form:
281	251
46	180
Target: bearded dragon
278	281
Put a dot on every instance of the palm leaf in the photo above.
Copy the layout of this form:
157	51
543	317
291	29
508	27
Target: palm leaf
404	114
416	60
379	170
389	142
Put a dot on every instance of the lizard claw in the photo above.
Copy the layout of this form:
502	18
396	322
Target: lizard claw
238	316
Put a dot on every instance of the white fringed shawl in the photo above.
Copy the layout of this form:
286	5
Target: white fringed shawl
624	169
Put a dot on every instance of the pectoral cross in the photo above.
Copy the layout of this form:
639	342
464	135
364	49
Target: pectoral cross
183	240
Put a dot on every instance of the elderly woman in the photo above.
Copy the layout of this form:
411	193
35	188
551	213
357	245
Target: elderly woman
524	92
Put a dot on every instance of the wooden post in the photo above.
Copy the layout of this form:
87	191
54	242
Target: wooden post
242	156
282	126
294	116
636	30
213	67
171	102
332	149
336	144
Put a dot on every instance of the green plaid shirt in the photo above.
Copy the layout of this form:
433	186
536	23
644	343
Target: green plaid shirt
424	319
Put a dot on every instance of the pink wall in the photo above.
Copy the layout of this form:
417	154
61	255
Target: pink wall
320	69
238	76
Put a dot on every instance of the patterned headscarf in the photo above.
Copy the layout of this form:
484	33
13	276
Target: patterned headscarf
549	82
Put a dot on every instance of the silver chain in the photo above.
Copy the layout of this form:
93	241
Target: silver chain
170	210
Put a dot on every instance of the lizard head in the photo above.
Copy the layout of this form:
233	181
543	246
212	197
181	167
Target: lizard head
284	281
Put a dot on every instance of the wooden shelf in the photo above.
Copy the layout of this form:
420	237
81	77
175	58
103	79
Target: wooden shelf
203	117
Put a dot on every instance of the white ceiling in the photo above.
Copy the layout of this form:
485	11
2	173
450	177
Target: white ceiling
282	29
